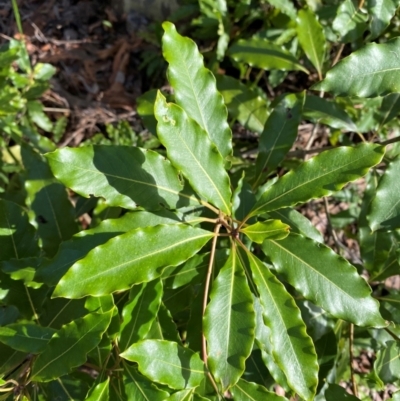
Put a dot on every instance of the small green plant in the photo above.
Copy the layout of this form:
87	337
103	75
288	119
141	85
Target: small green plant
207	284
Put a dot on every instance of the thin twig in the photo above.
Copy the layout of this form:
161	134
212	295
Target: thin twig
353	379
338	54
393	335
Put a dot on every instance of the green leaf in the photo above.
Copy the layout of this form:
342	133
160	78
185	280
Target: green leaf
43	72
124	176
10	359
195	88
99	392
191	151
26	337
163	327
145	109
245	391
334	392
374	70
183	395
319	176
229	323
390	109
37	115
381	12
324	278
350	22
311	38
269	229
285	6
262	54
81	243
297	222
278	136
117	265
55	216
17	236
69	346
385	206
327	112
139	313
138	388
167	363
243	103
292	347
387	364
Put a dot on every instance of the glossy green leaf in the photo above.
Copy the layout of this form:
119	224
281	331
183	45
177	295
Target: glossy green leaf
83	242
374	70
117	265
292	347
387	364
278	136
268	229
26	337
68	347
298	223
163	327
285	6
319	176
138	388
183	395
324	278
327	112
311	38
243	103
167	363
385	207
124	176
390	109
191	151
100	392
334	392
17	236
139	313
266	55
263	341
245	391
381	12
229	323
350	22
195	88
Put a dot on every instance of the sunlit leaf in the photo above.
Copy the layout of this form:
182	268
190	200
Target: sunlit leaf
124	176
311	38
324	278
319	176
167	363
99	392
229	323
244	104
381	11
269	229
245	391
292	347
265	55
190	150
135	257
350	22
385	207
195	88
374	70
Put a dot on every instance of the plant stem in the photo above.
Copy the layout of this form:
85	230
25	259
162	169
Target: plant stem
390	332
338	54
351	340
